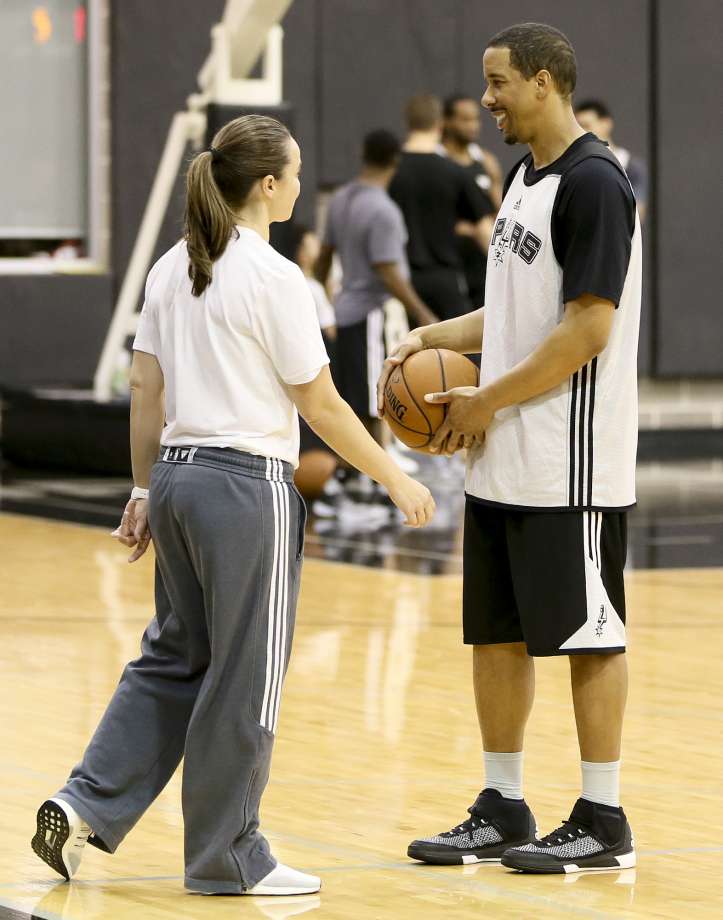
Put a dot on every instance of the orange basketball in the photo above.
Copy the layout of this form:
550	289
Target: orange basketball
432	370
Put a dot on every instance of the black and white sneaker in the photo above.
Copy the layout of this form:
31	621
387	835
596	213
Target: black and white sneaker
60	837
496	825
594	839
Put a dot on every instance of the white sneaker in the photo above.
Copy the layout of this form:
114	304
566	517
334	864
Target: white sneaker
60	837
284	880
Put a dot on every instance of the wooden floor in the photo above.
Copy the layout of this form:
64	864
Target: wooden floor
377	744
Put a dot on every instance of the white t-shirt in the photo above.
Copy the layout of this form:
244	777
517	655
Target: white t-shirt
228	355
324	309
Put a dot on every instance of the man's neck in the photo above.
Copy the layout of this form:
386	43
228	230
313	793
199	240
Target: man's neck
377	177
554	137
458	151
422	142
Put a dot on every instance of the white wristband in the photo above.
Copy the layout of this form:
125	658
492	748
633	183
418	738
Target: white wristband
137	493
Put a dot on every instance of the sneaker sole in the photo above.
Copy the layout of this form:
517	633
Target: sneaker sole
270	890
52	837
605	863
439	857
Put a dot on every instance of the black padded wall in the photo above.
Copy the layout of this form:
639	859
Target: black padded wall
349	65
52	328
689	338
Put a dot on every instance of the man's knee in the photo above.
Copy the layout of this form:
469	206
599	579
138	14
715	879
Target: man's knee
587	667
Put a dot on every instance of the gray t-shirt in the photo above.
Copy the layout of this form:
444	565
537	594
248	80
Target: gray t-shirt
366	228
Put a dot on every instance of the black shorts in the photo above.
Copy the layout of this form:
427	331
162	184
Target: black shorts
357	362
553	580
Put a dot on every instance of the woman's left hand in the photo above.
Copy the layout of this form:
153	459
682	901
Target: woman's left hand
133	529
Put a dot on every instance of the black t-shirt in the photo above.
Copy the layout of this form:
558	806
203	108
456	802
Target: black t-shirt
593	219
434	194
474	260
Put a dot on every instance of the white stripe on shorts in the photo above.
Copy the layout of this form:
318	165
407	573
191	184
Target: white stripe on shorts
278	598
375	355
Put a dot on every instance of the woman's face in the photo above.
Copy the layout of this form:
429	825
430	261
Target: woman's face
286	189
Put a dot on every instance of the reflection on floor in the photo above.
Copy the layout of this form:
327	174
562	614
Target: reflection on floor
678	521
377	744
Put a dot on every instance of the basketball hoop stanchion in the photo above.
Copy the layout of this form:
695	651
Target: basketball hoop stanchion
248	28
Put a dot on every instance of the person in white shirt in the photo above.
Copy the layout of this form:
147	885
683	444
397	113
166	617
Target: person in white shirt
228	347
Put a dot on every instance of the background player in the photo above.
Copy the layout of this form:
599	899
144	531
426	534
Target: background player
228	345
594	115
460	139
366	229
435	195
552	430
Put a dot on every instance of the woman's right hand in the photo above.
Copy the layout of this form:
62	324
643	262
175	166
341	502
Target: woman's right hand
409	346
413	499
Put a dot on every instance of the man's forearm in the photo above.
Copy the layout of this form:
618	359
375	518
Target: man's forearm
462	334
400	288
147	418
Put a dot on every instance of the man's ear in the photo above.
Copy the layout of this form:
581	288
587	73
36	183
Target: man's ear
543	83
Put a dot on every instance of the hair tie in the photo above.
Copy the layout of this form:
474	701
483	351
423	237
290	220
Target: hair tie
215	154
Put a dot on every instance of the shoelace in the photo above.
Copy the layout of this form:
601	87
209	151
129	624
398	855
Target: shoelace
471	824
563	834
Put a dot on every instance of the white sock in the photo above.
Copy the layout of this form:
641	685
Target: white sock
504	773
601	782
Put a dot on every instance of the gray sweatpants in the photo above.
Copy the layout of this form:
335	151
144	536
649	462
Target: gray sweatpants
228	533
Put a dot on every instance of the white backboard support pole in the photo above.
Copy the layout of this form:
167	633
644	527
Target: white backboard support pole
249	28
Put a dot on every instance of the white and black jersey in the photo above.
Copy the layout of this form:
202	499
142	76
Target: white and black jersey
566	230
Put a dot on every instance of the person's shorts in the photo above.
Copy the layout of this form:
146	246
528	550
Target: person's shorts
553	580
357	362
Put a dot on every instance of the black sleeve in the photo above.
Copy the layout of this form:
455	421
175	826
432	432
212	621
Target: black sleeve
471	200
592	230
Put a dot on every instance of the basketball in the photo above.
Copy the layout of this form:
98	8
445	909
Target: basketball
433	370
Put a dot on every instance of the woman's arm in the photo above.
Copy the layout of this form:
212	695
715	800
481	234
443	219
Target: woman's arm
147	418
147	415
334	421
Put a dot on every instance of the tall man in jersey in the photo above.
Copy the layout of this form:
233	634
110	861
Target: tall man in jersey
551	435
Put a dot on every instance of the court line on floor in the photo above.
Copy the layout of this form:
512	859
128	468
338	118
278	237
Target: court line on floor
459	884
452	881
12	910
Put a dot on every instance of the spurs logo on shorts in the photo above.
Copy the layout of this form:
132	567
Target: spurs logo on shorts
603	628
601	621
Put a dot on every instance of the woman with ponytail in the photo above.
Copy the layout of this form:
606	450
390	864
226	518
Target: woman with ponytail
228	348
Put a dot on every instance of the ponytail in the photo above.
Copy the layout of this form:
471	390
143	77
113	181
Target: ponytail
209	222
218	183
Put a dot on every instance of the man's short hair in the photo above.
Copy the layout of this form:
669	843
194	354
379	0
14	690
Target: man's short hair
450	103
423	112
594	105
535	46
381	149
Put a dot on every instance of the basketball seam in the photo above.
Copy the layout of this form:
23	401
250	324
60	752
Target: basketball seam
422	434
419	408
444	381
